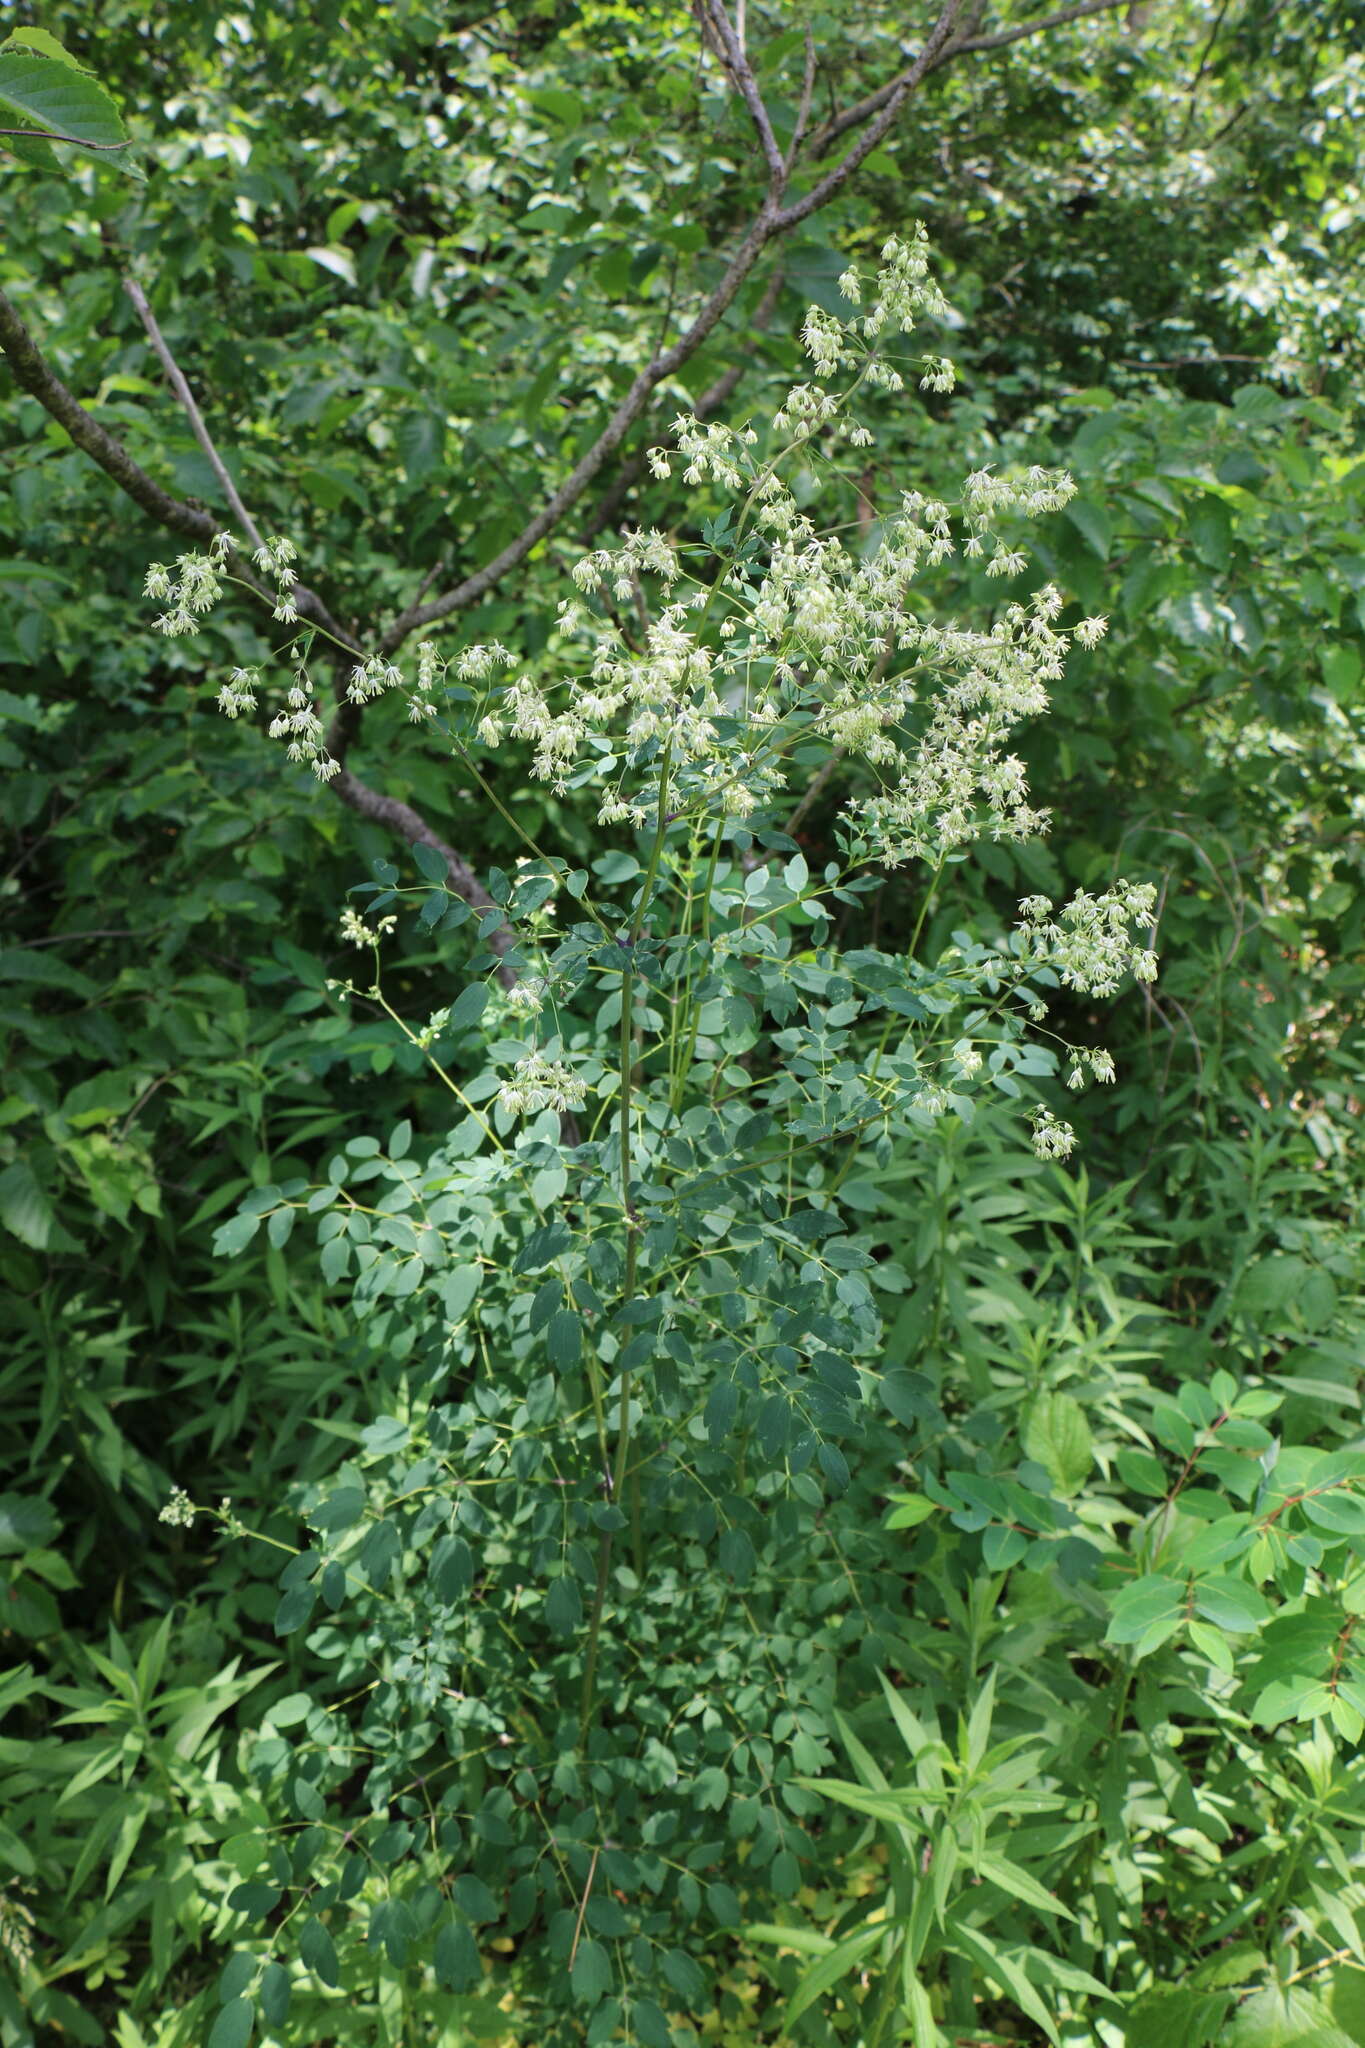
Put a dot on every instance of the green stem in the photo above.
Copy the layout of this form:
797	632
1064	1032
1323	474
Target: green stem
621	1469
708	882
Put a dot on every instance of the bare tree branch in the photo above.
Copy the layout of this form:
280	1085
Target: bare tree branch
716	394
32	373
191	522
736	62
176	378
874	115
852	117
406	823
662	365
803	111
936	43
771	220
1000	39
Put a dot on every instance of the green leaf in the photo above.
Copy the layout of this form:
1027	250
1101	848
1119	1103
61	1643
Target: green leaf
1177	2017
233	2026
50	94
469	1006
339	261
1010	1878
273	1994
564	1606
908	1510
591	1973
1004	1969
341	1510
1093	524
836	1963
234	1236
431	862
1230	1604
26	1523
318	1951
41	44
294	1609
1273	2018
564	1339
1057	1437
456	1957
25	1210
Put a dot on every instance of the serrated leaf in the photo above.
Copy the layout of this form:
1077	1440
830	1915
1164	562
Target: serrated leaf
50	94
25	1210
1057	1437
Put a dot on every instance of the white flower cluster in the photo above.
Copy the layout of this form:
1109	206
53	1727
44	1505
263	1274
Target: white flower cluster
375	675
527	997
810	637
1100	1063
299	726
638	553
538	1083
986	498
905	293
1089	943
958	781
275	558
238	693
190	591
713	451
1052	1139
359	933
179	1510
370	679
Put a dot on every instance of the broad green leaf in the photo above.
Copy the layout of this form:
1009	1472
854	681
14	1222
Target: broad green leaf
318	1951
26	1523
1057	1437
66	104
24	1206
234	2024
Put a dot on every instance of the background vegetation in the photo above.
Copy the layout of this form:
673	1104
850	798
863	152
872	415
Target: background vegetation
1035	1711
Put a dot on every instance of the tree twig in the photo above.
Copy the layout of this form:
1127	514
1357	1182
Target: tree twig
716	394
771	221
839	124
180	387
736	62
32	373
803	111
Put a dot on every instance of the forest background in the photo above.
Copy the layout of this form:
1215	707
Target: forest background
973	1654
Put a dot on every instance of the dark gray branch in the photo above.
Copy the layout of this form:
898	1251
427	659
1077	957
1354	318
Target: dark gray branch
733	57
998	39
182	391
771	221
607	510
402	820
31	372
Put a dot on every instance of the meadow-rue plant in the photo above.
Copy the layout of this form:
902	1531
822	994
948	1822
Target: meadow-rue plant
632	1262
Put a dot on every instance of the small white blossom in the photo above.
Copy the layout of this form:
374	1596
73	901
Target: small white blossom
538	1083
361	934
1052	1139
